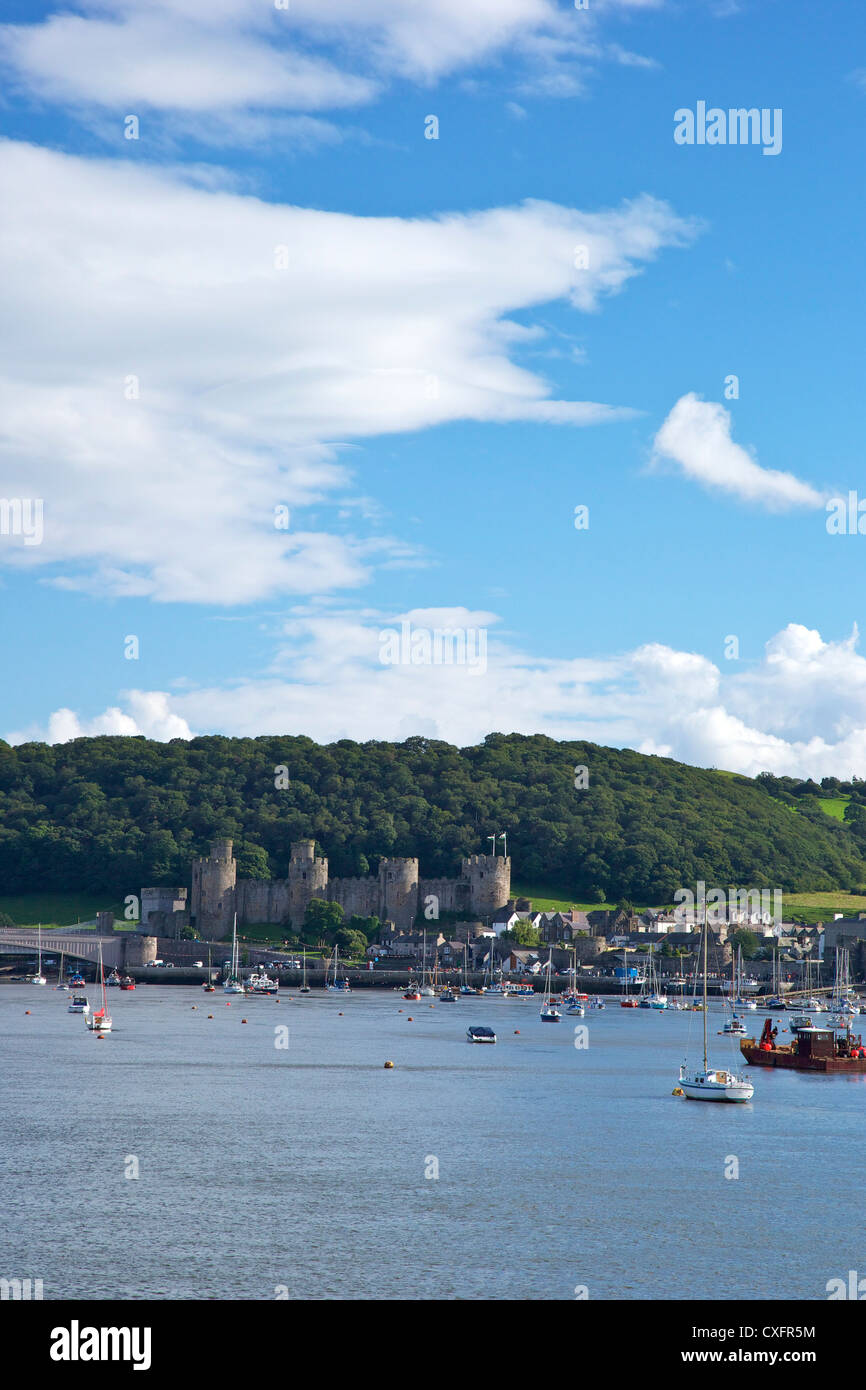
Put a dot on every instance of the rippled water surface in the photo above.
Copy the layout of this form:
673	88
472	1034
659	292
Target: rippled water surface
303	1168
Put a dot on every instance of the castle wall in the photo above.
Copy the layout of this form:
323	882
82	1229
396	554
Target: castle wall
262	900
356	895
396	894
453	894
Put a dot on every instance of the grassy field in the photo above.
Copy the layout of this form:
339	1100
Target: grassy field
834	806
543	902
820	907
56	909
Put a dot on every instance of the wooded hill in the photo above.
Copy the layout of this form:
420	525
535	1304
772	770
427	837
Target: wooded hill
111	814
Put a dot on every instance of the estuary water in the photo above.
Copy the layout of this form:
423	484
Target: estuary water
309	1171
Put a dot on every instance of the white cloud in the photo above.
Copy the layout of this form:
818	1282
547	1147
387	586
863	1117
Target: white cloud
801	711
147	712
247	374
232	55
697	436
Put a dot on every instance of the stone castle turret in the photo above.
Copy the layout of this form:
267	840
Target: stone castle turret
212	902
489	882
308	878
398	890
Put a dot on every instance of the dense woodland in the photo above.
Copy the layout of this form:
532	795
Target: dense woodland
112	814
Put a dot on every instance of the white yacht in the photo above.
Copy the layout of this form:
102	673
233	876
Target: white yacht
702	1083
232	984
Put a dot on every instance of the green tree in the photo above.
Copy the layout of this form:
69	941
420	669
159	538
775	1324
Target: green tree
321	920
746	941
351	943
522	934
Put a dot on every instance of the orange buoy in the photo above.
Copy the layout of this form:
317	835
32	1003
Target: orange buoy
340	1014
210	1015
243	1020
410	1019
389	1066
26	1011
516	1031
195	1006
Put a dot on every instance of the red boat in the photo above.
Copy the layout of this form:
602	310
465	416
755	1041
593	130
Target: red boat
127	982
813	1049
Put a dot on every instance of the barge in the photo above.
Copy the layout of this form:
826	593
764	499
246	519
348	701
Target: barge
812	1049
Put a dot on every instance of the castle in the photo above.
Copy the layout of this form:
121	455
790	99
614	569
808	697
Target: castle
396	894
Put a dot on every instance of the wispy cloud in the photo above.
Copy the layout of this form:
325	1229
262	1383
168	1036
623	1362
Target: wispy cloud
697	436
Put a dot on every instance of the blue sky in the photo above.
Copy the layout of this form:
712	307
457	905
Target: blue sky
125	256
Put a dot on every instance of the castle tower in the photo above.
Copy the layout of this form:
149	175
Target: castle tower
398	891
308	878
489	882
212	904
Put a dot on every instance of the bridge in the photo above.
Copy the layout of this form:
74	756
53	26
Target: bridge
72	941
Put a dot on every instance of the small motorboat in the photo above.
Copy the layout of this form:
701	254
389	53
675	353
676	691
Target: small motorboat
127	982
412	994
549	1014
576	1007
448	997
78	1004
481	1035
733	1025
113	978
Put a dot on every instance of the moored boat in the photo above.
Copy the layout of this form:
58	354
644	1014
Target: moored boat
706	1083
481	1035
812	1049
99	1020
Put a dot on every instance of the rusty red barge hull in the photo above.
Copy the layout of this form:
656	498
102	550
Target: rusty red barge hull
778	1057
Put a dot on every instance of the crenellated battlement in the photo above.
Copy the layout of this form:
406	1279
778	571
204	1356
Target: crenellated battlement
395	893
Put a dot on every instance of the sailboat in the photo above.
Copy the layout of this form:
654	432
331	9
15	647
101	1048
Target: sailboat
705	1084
548	1013
39	978
232	984
305	988
61	983
841	1007
100	1020
209	987
336	986
653	999
734	1024
426	987
776	1001
739	1001
577	1002
626	1002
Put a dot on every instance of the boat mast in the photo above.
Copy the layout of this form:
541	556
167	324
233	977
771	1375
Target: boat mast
705	987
